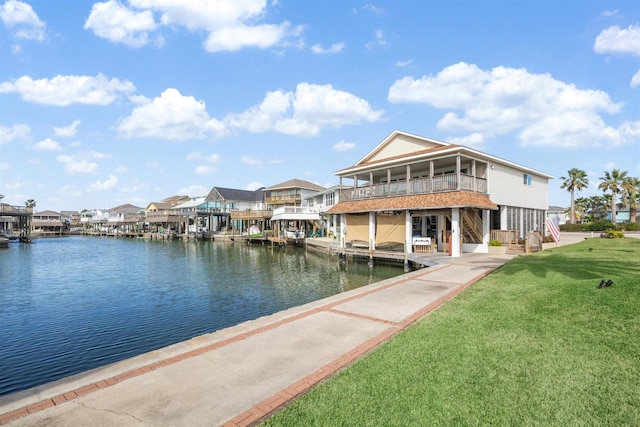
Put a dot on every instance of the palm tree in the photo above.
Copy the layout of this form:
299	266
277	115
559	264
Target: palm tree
30	203
597	207
576	180
613	182
632	193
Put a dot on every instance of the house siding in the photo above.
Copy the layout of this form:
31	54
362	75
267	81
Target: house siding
402	144
506	187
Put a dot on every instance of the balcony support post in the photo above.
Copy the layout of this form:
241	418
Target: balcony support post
408	179
458	172
431	172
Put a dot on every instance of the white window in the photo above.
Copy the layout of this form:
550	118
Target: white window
526	179
329	199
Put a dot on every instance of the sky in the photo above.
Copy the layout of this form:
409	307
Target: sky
133	101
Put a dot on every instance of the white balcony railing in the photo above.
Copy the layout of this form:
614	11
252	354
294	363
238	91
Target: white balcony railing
435	184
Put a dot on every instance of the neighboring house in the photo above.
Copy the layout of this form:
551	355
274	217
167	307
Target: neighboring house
125	218
322	202
560	212
162	217
74	218
214	212
237	209
49	222
622	215
453	196
292	214
290	193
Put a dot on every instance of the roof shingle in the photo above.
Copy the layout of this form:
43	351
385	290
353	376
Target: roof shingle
455	199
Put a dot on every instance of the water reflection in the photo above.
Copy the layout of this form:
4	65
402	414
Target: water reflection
72	304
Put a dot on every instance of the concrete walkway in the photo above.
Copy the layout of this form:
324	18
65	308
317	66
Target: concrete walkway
238	375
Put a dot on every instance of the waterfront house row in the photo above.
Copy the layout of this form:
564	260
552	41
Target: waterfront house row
411	189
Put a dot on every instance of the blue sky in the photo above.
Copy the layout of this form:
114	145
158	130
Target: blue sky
133	101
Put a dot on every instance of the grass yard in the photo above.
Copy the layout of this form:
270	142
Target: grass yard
534	343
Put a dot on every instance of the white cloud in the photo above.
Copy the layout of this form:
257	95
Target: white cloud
194	155
334	48
230	25
343	146
67	90
251	161
379	40
403	64
107	184
475	138
15	132
119	24
194	190
240	36
635	80
253	186
610	12
544	111
97	155
81	166
203	170
305	112
619	40
4	166
81	163
213	158
121	169
171	116
67	131
21	17
47	144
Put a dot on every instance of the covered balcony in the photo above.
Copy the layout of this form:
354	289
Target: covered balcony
449	174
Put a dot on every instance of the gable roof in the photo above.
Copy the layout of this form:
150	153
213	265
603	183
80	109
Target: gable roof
159	205
240	195
126	208
46	213
295	183
408	152
455	199
174	200
418	143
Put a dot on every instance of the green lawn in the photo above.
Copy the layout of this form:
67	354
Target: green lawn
534	343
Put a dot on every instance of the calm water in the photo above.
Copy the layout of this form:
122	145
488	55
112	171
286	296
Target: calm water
72	304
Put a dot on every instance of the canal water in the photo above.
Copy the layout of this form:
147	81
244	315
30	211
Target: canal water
72	304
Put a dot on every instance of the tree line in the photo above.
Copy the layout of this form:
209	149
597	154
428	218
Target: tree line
619	191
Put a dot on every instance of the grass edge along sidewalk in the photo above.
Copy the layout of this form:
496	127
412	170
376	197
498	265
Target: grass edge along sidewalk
536	342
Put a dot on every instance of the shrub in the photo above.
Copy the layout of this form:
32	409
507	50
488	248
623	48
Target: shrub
600	226
572	227
495	243
612	234
630	226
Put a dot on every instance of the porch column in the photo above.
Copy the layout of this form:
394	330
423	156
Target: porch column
486	226
343	230
473	173
455	233
408	245
370	184
388	181
408	179
431	171
372	231
458	173
503	217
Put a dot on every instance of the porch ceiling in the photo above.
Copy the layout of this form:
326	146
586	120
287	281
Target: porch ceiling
455	199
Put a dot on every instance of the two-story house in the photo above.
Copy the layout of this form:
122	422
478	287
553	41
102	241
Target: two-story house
411	189
49	223
293	217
